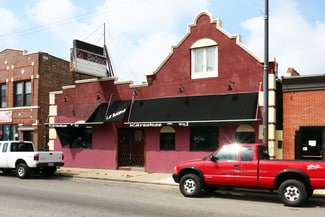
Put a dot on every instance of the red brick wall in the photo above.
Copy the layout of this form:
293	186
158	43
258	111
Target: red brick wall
305	108
53	74
46	73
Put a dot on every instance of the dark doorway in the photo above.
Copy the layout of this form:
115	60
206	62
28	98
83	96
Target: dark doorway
130	147
27	135
309	143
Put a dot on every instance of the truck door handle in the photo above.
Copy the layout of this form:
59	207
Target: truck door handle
236	165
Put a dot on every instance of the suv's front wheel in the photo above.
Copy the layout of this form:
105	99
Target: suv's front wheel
190	185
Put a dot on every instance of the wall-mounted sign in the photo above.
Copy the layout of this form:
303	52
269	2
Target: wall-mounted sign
5	116
88	59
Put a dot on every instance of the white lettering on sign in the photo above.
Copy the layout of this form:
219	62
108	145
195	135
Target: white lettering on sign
145	124
85	55
113	115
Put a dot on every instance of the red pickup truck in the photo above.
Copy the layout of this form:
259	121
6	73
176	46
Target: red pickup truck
248	166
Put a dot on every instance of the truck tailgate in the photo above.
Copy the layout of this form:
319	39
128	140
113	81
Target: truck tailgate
50	156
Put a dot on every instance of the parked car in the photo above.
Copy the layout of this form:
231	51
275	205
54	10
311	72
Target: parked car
21	157
248	166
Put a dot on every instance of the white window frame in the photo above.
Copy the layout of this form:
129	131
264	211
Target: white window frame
206	72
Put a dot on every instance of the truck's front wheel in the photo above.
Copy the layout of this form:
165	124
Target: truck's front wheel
22	171
190	185
292	193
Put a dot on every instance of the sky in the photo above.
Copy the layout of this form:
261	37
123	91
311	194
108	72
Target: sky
140	33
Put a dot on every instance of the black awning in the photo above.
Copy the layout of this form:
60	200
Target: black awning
67	134
109	113
74	136
227	108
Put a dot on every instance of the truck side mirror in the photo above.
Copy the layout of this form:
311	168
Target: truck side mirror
213	158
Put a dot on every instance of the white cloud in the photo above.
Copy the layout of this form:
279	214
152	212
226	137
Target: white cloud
59	17
142	32
48	12
292	40
9	25
148	55
145	16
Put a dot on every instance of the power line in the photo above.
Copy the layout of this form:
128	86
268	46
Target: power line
51	25
124	59
63	22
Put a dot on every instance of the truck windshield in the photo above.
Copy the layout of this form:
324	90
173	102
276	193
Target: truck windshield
21	147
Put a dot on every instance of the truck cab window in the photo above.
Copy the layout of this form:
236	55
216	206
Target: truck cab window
263	153
246	153
227	153
4	148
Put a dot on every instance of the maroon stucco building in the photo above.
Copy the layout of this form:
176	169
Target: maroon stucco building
206	93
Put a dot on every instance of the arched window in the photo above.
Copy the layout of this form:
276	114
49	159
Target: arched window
204	59
245	134
167	138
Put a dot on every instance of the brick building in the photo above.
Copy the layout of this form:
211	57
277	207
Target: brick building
303	116
25	81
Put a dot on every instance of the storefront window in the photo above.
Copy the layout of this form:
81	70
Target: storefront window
8	132
245	134
167	139
245	137
204	138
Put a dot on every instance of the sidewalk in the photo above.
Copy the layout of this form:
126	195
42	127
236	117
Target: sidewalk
118	175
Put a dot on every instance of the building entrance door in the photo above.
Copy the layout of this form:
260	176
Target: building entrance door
310	143
27	135
130	147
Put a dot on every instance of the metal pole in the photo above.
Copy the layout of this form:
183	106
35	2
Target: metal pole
266	75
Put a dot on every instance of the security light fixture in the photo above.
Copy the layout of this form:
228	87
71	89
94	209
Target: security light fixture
231	85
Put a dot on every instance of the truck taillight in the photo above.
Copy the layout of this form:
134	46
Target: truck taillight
36	157
62	156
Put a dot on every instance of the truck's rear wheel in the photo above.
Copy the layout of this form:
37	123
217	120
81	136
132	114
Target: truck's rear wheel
292	193
190	185
22	171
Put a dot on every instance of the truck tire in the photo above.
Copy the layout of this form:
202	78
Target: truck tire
292	193
190	185
22	171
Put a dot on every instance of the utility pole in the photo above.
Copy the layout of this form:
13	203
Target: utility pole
266	75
